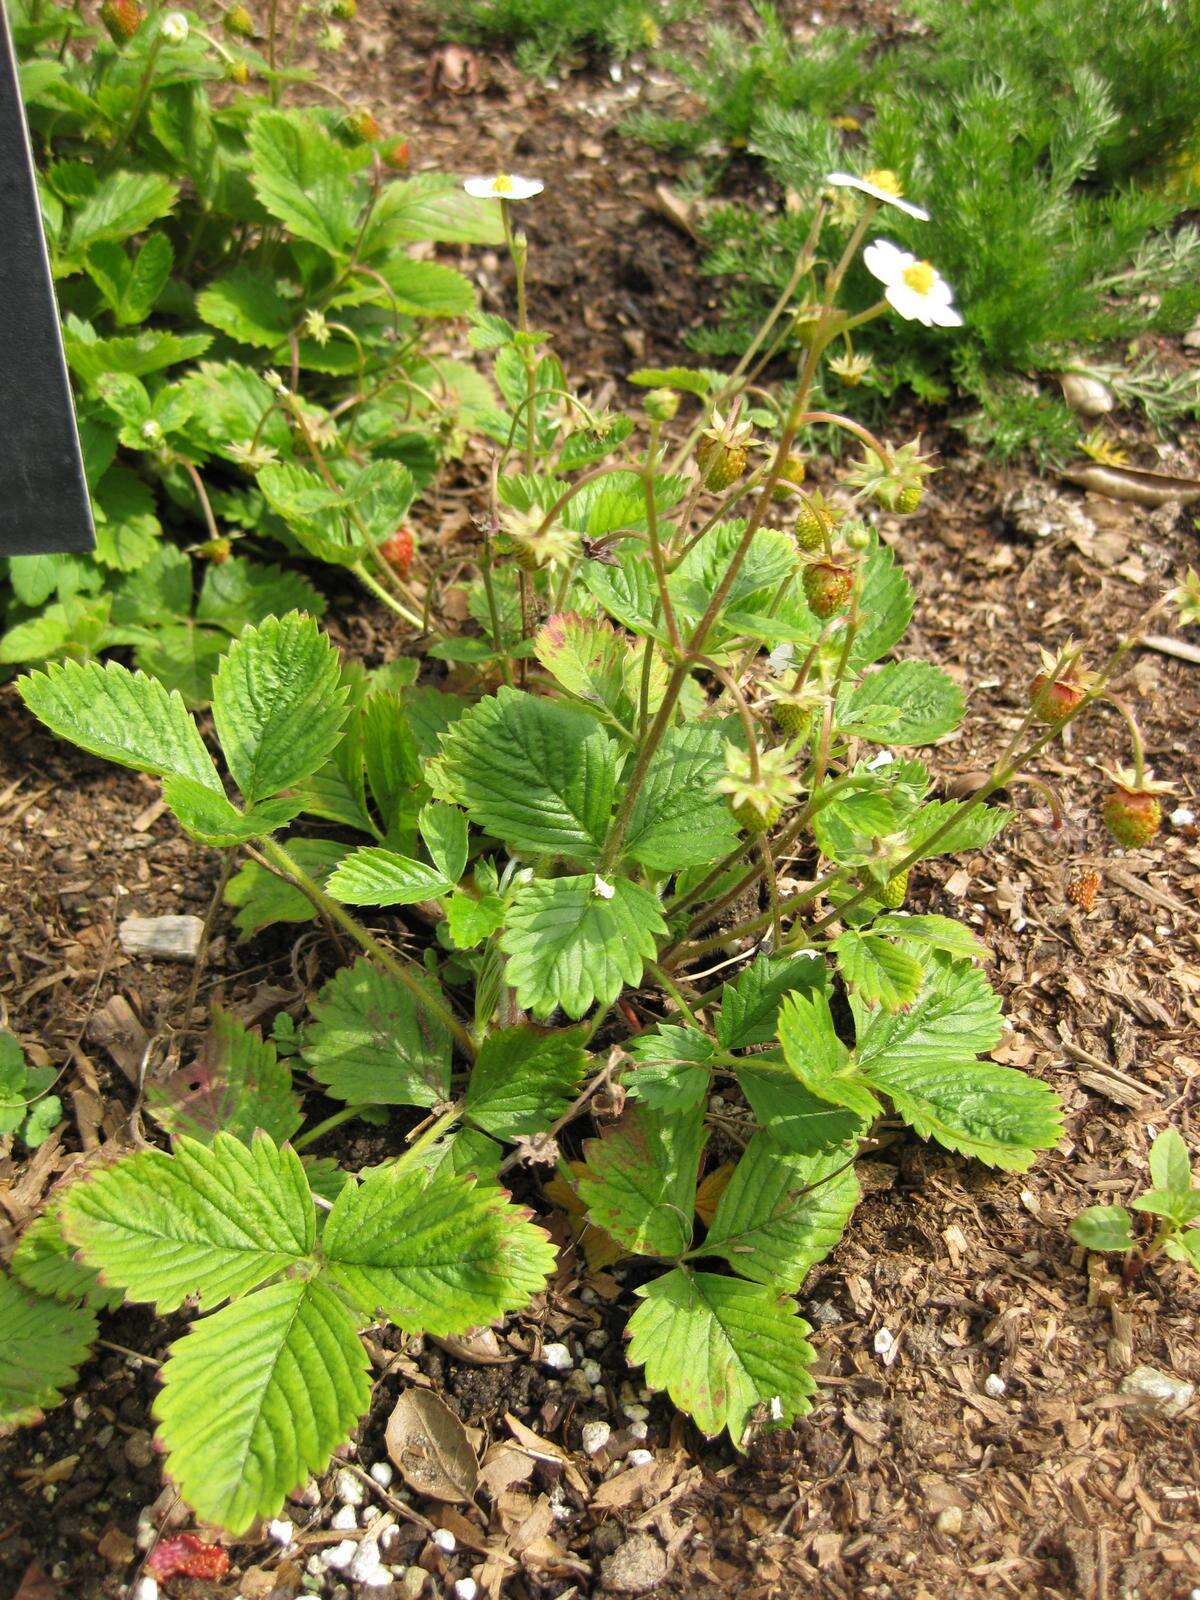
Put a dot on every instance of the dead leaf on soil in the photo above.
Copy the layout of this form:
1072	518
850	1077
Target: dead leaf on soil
35	1585
1133	483
480	1347
429	1445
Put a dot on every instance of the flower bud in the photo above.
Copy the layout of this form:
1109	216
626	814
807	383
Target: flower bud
174	27
661	405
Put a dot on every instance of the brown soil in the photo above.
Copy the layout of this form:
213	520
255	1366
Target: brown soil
911	1478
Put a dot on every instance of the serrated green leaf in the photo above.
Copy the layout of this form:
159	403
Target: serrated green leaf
721	1348
903	703
750	1004
589	658
679	819
936	933
263	898
1104	1228
847	825
878	971
131	286
212	819
209	1221
236	1085
971	831
996	1114
533	773
370	876
570	944
673	1069
639	1184
122	204
781	1213
1180	1205
1170	1163
278	704
626	590
955	1018
444	830
391	755
1184	1246
693	380
797	1118
123	716
304	178
427	288
45	1263
465	1153
523	1079
42	1345
435	1254
432	206
246	305
257	1397
472	920
818	1058
370	1042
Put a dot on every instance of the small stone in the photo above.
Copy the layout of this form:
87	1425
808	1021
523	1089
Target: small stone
348	1489
161	938
994	1385
949	1521
636	1413
597	1339
1183	817
595	1436
139	1449
412	1582
638	1431
557	1357
640	1458
592	1371
366	1563
339	1556
884	1342
466	1589
310	1495
445	1540
343	1519
635	1567
383	1472
1158	1391
144	1589
281	1530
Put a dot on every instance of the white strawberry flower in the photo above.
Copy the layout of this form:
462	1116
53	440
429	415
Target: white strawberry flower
882	185
174	27
503	186
913	288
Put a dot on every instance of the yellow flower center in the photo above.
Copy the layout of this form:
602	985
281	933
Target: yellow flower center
502	184
919	277
884	178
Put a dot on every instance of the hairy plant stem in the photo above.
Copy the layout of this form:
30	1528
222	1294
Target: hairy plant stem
656	554
275	856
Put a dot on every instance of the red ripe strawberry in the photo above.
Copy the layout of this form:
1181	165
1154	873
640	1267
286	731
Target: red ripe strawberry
1132	816
186	1555
363	126
1054	699
122	18
827	587
398	552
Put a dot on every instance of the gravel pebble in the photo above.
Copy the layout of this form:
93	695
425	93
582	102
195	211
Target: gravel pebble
348	1489
635	1567
595	1436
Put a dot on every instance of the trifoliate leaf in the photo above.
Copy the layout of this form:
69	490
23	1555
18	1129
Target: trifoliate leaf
904	703
304	178
435	1254
237	1084
370	1042
781	1213
44	1262
798	1119
1104	1228
639	1183
721	1348
257	1397
370	876
750	1004
523	1078
207	1221
818	1058
996	1114
42	1344
278	704
212	819
444	830
878	971
673	1069
535	774
571	943
123	716
955	1018
679	819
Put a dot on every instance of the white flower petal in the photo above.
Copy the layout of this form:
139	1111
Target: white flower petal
503	186
945	316
907	302
847	180
886	261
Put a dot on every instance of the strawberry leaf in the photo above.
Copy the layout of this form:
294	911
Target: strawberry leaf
523	1078
639	1184
42	1344
236	1085
370	1042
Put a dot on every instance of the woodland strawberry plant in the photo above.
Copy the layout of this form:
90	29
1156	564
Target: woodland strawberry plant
238	293
661	834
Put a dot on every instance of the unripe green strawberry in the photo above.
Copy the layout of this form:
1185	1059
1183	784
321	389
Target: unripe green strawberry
238	22
792	720
238	72
395	154
753	820
363	126
909	498
1054	699
791	476
661	404
812	526
344	10
1132	816
827	587
893	892
721	464
122	18
398	551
